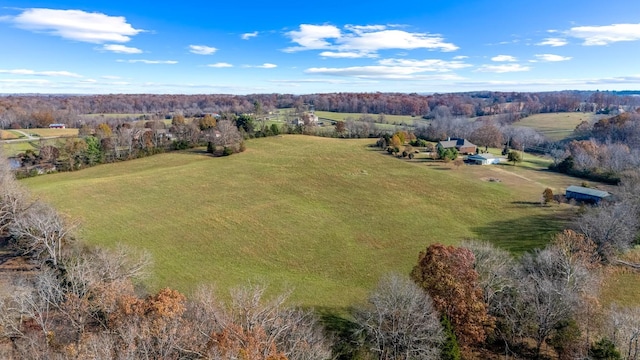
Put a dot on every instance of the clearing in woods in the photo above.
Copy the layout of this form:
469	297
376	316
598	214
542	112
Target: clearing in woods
324	217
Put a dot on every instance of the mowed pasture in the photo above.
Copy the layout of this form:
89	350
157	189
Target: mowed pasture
557	126
386	119
323	217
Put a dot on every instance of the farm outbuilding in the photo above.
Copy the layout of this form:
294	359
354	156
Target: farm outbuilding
57	126
589	195
483	159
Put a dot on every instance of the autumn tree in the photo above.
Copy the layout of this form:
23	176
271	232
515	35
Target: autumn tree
547	196
340	127
178	119
206	122
487	134
400	321
447	274
103	130
42	119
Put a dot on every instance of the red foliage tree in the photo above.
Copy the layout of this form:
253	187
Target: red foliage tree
447	274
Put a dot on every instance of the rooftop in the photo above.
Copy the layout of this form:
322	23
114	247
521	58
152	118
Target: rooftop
588	191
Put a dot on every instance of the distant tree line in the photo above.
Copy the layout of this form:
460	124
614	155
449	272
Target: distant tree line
41	110
603	150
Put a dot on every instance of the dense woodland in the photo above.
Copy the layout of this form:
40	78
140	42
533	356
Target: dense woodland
31	110
463	302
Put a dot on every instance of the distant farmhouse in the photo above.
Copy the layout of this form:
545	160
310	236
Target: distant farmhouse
584	194
483	159
57	126
462	145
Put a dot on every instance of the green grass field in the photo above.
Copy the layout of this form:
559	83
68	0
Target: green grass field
325	217
556	126
387	119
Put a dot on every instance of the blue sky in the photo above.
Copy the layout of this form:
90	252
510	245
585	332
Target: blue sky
301	47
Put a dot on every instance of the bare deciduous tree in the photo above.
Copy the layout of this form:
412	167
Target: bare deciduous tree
400	321
625	331
613	227
42	233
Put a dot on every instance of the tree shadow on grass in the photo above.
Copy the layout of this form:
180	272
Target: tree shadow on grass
522	234
345	332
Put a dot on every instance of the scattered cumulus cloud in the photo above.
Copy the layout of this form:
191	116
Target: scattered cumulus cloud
551	57
220	65
431	65
397	69
605	35
202	49
358	39
381	72
143	61
267	66
121	49
503	68
40	73
504	58
247	36
347	55
76	25
460	57
555	42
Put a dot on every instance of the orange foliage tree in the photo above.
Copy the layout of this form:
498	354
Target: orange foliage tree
447	274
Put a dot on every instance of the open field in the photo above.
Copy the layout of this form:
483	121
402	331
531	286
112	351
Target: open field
388	119
54	132
111	116
326	217
8	135
557	126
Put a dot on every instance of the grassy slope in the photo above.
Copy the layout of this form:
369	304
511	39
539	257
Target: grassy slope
326	217
388	119
556	126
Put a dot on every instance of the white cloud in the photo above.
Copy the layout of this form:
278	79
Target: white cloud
202	49
604	35
111	77
40	73
323	81
393	39
313	37
143	61
347	55
363	39
555	42
220	65
504	68
247	36
501	58
121	49
431	65
76	25
267	66
552	57
381	72
460	57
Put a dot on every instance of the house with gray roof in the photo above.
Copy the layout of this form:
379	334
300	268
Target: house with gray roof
463	146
